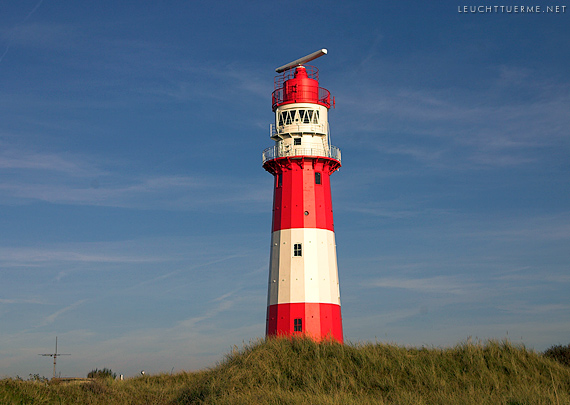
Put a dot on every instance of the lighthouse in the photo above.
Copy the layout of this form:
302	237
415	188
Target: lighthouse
303	291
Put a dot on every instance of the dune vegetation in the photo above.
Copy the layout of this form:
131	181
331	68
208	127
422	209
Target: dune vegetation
300	371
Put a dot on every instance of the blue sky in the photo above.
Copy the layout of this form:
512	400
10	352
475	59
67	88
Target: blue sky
135	215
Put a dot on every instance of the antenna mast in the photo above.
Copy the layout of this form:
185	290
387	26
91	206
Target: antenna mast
55	355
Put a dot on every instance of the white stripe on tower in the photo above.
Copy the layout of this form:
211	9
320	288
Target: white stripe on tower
311	277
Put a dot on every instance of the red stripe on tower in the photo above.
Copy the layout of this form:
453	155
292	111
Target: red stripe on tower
303	292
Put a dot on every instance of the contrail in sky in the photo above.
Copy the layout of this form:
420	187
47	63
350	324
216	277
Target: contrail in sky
34	10
5	52
25	19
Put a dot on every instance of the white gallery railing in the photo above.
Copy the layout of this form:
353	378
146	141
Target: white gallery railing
275	152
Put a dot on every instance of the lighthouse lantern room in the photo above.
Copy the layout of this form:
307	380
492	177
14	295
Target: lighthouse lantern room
303	292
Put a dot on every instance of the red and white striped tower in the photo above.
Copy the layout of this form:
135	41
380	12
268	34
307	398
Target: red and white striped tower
304	294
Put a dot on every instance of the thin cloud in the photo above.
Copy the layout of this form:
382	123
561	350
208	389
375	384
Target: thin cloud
437	285
41	36
531	276
71	165
165	192
543	227
76	179
465	129
14	257
19	301
191	323
51	318
185	269
379	211
525	308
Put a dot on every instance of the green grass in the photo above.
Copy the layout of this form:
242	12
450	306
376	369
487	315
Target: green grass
299	371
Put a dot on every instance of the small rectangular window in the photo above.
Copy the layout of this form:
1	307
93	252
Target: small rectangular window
298	325
296	141
297	249
279	180
317	178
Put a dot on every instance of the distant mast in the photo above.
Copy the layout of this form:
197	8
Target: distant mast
303	292
55	355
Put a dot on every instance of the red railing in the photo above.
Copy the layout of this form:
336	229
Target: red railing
301	95
312	73
299	89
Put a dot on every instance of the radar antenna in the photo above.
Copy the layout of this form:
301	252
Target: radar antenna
302	60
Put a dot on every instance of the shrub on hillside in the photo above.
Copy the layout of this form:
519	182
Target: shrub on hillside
36	378
104	373
559	353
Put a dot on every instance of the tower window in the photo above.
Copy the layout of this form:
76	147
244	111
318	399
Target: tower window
317	178
297	249
279	179
298	325
296	141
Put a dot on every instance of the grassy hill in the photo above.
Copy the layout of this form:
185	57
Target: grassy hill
299	371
